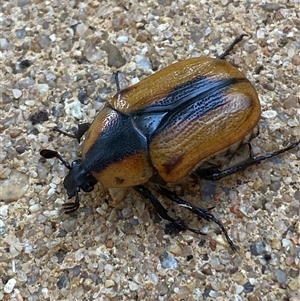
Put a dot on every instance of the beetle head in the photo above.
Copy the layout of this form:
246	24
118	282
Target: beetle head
77	179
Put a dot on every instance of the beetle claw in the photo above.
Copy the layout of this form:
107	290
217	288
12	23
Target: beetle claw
177	226
70	207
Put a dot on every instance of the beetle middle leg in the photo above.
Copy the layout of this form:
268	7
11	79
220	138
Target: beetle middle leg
179	225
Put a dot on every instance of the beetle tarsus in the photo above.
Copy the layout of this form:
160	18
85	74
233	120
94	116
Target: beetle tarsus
178	226
71	207
230	47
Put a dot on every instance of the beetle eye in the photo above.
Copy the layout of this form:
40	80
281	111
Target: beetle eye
89	183
88	189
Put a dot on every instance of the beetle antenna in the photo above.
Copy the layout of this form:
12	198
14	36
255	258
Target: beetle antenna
49	154
230	47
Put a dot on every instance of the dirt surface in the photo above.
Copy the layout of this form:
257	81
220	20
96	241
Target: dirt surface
57	64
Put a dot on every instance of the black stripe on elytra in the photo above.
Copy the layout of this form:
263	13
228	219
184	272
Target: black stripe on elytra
189	100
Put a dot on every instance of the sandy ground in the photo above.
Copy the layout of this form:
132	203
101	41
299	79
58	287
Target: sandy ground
57	64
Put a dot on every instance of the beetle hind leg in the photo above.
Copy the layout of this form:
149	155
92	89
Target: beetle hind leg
230	47
215	174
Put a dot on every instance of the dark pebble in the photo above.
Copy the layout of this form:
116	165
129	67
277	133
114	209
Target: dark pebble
61	254
189	257
23	2
248	287
63	281
75	271
258	248
82	95
39	117
66	95
281	276
115	58
58	111
208	190
25	64
20	149
31	279
21	33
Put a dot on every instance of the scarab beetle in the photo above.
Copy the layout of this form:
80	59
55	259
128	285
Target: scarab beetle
162	128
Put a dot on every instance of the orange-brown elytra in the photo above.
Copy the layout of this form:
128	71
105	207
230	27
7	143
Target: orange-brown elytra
162	128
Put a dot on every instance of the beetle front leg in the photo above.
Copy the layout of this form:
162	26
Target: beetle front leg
214	174
174	226
82	128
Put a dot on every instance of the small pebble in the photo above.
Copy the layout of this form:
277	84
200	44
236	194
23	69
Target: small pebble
39	116
82	95
45	41
133	286
21	33
269	114
143	63
43	88
63	281
74	109
35	208
281	276
81	29
9	286
114	55
8	191
16	93
109	283
258	248
3	43
169	262
248	288
122	39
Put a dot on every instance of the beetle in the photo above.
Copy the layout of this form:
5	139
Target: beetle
162	128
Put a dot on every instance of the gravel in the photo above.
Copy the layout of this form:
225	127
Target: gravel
57	64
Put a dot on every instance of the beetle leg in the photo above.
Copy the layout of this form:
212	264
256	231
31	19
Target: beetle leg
214	174
230	47
117	81
71	207
82	128
202	213
174	226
